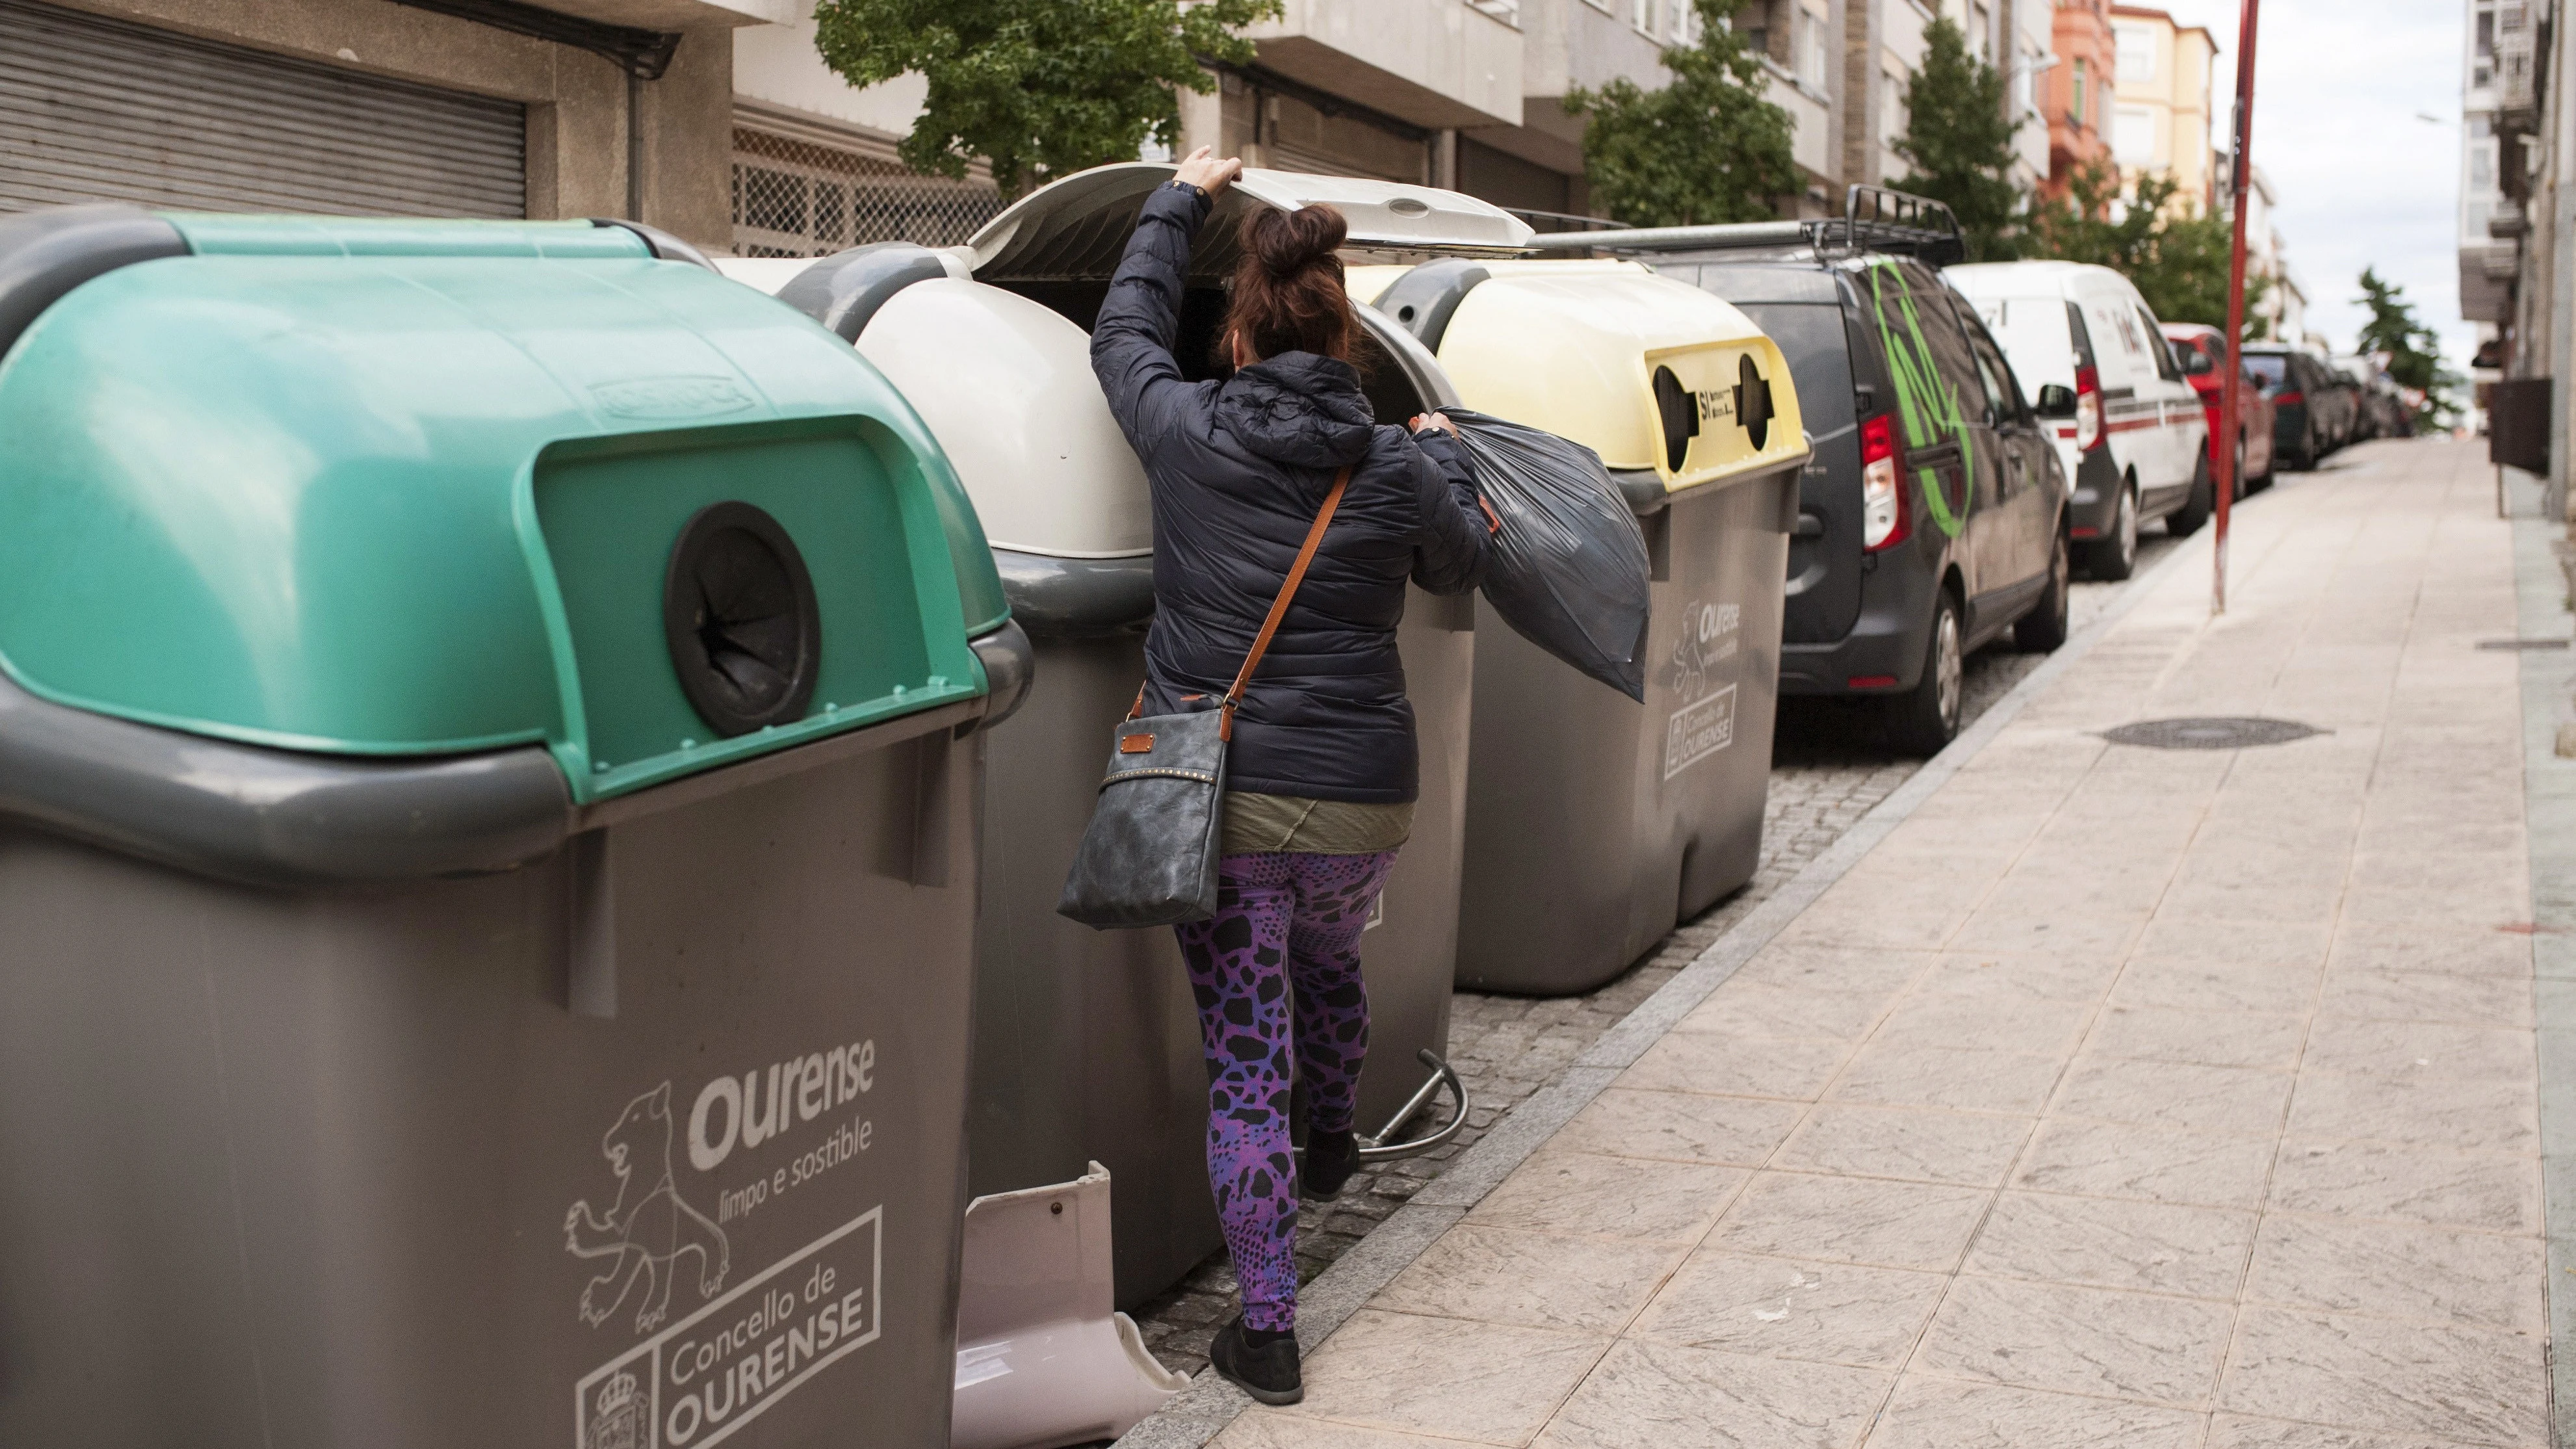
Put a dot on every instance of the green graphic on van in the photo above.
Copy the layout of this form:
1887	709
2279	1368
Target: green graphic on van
1929	404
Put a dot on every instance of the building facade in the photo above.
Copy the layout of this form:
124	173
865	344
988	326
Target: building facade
2517	214
600	108
2079	91
2162	104
717	119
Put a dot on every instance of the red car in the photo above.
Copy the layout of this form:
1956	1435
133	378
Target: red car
2202	351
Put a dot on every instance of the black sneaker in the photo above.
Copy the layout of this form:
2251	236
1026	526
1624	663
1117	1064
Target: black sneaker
1267	1370
1330	1159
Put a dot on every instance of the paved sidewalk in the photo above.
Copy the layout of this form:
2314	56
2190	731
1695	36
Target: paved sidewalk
2118	1096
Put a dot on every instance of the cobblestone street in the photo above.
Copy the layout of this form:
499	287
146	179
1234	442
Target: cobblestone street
1828	770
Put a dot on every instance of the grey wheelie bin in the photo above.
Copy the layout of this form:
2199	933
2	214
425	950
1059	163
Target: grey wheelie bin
486	836
1087	1043
1594	825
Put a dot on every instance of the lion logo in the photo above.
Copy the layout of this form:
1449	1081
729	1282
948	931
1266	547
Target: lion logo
647	1229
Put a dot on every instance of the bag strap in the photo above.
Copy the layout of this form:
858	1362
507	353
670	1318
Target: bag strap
1279	606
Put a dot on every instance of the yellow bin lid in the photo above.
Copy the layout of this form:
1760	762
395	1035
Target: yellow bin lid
1653	374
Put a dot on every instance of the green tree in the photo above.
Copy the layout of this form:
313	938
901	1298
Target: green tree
1959	141
1036	88
2414	350
2175	256
1707	148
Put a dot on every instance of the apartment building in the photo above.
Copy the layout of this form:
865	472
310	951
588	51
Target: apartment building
717	119
438	107
2282	312
2079	90
2162	103
2487	262
2517	211
2030	46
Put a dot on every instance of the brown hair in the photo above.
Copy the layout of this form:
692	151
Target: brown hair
1288	293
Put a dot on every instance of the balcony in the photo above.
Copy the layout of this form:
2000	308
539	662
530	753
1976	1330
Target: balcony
684	14
1434	63
2517	72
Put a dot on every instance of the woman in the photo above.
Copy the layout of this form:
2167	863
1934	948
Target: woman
1321	773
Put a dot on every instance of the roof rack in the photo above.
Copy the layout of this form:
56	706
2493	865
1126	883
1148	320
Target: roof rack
1874	219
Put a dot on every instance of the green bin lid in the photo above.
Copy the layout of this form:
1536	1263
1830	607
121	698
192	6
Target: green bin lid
413	488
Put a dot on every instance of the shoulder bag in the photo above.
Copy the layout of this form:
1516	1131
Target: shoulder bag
1148	857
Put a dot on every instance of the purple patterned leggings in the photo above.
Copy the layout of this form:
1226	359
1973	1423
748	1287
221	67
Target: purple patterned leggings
1282	919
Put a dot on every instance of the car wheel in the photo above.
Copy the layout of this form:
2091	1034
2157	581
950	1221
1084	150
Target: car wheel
2237	487
2044	628
2185	521
2115	557
1926	717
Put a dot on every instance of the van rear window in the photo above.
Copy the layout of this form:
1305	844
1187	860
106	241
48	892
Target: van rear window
2269	366
1819	358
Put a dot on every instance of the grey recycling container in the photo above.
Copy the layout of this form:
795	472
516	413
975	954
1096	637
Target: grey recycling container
1087	1043
487	804
1596	824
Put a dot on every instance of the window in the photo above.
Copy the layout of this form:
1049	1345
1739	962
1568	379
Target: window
2076	113
2133	136
2166	367
2486	33
2137	52
2481	167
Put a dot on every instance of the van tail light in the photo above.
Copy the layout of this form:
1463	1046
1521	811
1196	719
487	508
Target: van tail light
1882	492
2088	409
2288	399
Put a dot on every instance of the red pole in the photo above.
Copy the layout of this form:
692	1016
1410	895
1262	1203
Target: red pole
2230	408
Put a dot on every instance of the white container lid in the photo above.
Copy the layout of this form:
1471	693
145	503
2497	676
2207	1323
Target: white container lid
1078	227
1006	387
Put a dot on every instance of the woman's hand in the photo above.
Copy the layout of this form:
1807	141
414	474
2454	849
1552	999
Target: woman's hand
1202	169
1424	422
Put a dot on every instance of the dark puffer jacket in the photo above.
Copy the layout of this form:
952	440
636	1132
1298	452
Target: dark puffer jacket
1239	469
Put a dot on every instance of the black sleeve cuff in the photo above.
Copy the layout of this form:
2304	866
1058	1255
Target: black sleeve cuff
1183	198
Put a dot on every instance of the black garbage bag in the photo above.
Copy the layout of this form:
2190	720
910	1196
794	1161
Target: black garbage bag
1568	565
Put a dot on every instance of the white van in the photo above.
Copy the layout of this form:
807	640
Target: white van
2137	442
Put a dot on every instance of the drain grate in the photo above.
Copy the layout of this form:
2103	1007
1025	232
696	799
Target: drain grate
2521	644
2225	733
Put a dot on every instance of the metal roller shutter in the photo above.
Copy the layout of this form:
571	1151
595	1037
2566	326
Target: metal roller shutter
100	110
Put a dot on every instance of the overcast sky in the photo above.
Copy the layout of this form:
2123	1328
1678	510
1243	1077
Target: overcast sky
2362	182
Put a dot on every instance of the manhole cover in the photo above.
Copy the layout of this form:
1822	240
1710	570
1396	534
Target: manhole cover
2209	734
2519	644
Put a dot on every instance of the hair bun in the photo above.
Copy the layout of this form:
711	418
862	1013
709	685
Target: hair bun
1288	242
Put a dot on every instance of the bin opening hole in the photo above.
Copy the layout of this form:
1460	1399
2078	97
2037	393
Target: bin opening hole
740	619
1753	406
1680	413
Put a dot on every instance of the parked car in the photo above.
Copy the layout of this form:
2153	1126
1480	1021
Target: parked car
2384	410
2307	406
2137	444
1932	514
2202	351
2396	414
